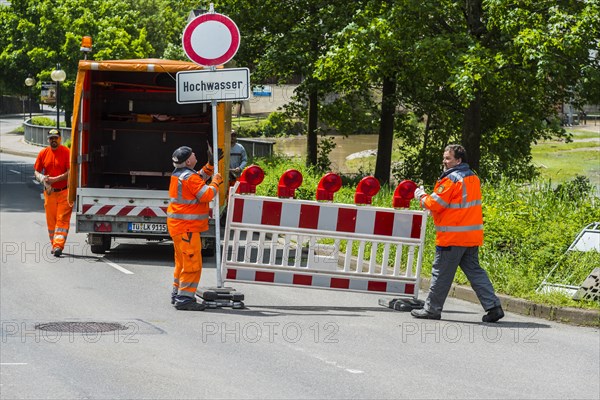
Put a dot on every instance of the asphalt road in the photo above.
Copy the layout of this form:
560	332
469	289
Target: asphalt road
288	343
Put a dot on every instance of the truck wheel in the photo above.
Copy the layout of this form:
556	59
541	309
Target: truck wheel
99	244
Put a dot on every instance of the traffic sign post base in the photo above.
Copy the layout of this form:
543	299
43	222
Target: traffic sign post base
402	304
215	297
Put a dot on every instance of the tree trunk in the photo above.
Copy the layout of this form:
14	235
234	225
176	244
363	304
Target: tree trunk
386	131
68	117
311	136
424	149
471	136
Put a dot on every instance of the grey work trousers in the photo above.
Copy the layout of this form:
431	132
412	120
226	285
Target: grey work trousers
447	259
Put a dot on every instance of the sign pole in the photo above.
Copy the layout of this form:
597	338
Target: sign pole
216	209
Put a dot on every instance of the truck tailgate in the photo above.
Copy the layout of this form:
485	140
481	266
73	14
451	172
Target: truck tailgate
122	211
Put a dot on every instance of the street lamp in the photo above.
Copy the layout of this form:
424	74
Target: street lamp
29	81
58	76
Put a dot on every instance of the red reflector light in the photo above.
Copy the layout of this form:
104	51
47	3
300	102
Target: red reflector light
367	188
404	193
288	183
251	177
102	227
254	175
328	185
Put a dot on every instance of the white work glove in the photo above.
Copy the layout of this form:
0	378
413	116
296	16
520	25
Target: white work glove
419	192
41	178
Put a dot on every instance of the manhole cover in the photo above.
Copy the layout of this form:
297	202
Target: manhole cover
81	327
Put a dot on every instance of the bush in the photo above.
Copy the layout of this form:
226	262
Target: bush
324	148
279	124
45	121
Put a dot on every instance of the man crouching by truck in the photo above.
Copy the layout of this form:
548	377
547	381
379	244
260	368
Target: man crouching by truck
187	216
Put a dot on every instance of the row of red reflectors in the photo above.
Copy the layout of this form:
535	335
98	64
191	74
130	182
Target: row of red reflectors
330	183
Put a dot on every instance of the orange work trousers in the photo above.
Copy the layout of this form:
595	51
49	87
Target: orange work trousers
58	217
188	263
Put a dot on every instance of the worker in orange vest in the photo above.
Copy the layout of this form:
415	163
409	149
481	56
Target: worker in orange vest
456	208
51	168
187	217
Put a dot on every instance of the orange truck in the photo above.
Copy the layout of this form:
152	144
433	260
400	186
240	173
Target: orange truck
126	125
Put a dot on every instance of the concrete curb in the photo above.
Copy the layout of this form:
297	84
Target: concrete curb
567	315
19	153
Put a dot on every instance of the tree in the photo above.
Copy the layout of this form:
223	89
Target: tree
496	68
284	40
38	34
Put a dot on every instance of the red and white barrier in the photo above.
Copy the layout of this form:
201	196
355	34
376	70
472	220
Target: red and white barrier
312	244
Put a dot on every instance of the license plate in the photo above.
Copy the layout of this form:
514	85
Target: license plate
146	227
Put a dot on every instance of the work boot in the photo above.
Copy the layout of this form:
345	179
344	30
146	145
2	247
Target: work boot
173	294
424	314
493	315
57	251
191	306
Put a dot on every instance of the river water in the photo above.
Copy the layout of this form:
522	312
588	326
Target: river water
344	147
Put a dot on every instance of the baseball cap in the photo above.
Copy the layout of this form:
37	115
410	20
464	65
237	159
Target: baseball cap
181	154
53	133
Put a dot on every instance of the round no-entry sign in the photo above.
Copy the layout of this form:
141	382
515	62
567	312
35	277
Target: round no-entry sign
211	39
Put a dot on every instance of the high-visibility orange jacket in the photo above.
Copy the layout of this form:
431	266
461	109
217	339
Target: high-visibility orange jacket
189	194
456	208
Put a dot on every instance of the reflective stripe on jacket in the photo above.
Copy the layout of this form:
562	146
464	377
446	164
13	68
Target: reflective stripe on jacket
456	208
189	194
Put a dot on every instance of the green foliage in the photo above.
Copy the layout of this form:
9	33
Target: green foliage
35	35
255	130
579	187
284	42
278	124
527	230
325	146
574	267
501	57
351	114
44	121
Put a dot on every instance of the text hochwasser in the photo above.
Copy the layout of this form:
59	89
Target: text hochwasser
205	86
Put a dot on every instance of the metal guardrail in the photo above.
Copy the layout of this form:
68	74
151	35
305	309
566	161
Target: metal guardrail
36	134
257	147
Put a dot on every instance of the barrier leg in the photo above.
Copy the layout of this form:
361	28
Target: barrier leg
402	304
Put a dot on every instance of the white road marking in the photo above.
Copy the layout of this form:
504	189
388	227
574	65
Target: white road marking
117	266
16	172
13	363
329	362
